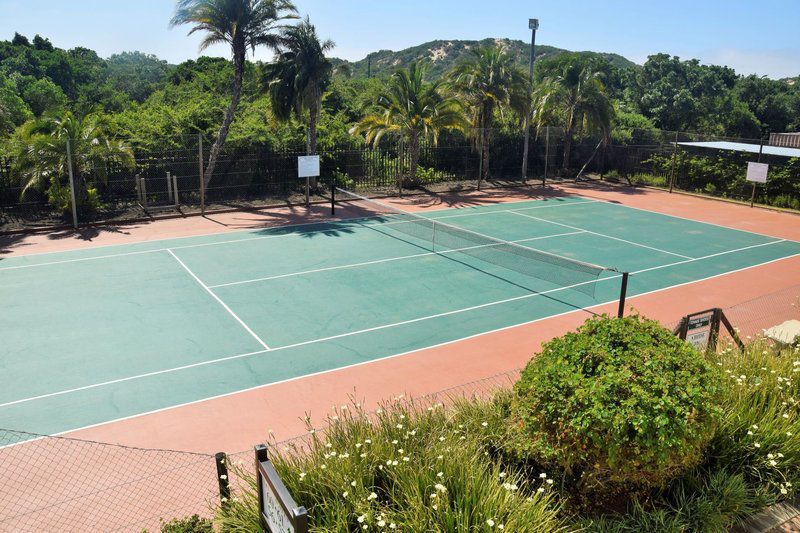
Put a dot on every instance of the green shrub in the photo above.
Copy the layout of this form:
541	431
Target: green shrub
60	198
192	524
758	434
649	179
620	406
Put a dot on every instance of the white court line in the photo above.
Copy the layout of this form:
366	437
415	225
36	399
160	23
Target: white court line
386	260
252	230
600	234
438	315
131	378
693	220
336	223
218	299
393	356
459	215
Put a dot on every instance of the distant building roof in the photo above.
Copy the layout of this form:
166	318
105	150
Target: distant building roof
744	147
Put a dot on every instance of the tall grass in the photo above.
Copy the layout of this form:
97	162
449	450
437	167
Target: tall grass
407	468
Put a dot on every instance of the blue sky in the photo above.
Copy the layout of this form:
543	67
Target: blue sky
753	36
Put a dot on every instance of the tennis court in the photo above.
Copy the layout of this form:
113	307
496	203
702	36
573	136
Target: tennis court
102	334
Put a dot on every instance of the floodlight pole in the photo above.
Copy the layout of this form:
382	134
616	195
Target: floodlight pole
533	24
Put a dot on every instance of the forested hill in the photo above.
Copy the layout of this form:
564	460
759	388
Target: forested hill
443	55
140	96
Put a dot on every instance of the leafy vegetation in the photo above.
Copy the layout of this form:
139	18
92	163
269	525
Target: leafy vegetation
618	407
489	82
243	25
413	110
419	467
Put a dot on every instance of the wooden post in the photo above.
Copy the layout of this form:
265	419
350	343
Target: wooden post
221	460
72	185
169	186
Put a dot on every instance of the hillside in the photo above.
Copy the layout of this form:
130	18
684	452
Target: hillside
442	55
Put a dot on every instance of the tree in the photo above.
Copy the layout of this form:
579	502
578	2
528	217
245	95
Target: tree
413	110
44	95
489	81
242	24
20	40
42	163
575	96
299	76
678	95
13	110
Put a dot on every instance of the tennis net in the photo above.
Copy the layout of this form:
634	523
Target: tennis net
443	238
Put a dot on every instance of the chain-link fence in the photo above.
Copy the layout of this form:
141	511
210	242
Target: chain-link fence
123	180
704	164
64	484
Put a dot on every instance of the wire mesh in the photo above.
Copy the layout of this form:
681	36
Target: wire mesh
63	484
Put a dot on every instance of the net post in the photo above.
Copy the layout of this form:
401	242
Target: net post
623	293
333	196
221	460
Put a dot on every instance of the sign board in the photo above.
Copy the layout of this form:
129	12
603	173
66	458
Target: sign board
757	172
698	331
279	512
701	330
308	166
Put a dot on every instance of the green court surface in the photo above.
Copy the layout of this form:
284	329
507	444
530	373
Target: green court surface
95	335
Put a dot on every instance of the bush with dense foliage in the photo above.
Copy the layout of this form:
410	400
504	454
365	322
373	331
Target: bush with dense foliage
621	403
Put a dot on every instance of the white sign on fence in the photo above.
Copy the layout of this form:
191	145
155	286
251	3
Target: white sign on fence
308	166
757	172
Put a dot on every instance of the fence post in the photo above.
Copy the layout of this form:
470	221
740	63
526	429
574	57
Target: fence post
72	185
202	177
674	160
221	460
546	154
169	186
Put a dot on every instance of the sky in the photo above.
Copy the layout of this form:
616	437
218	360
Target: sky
752	36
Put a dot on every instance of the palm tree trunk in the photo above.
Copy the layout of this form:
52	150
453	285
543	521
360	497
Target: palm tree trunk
238	75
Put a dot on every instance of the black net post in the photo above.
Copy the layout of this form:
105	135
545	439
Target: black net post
333	196
623	292
222	477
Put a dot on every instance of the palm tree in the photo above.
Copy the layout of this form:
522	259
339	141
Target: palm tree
489	81
299	76
575	96
413	110
242	24
42	160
